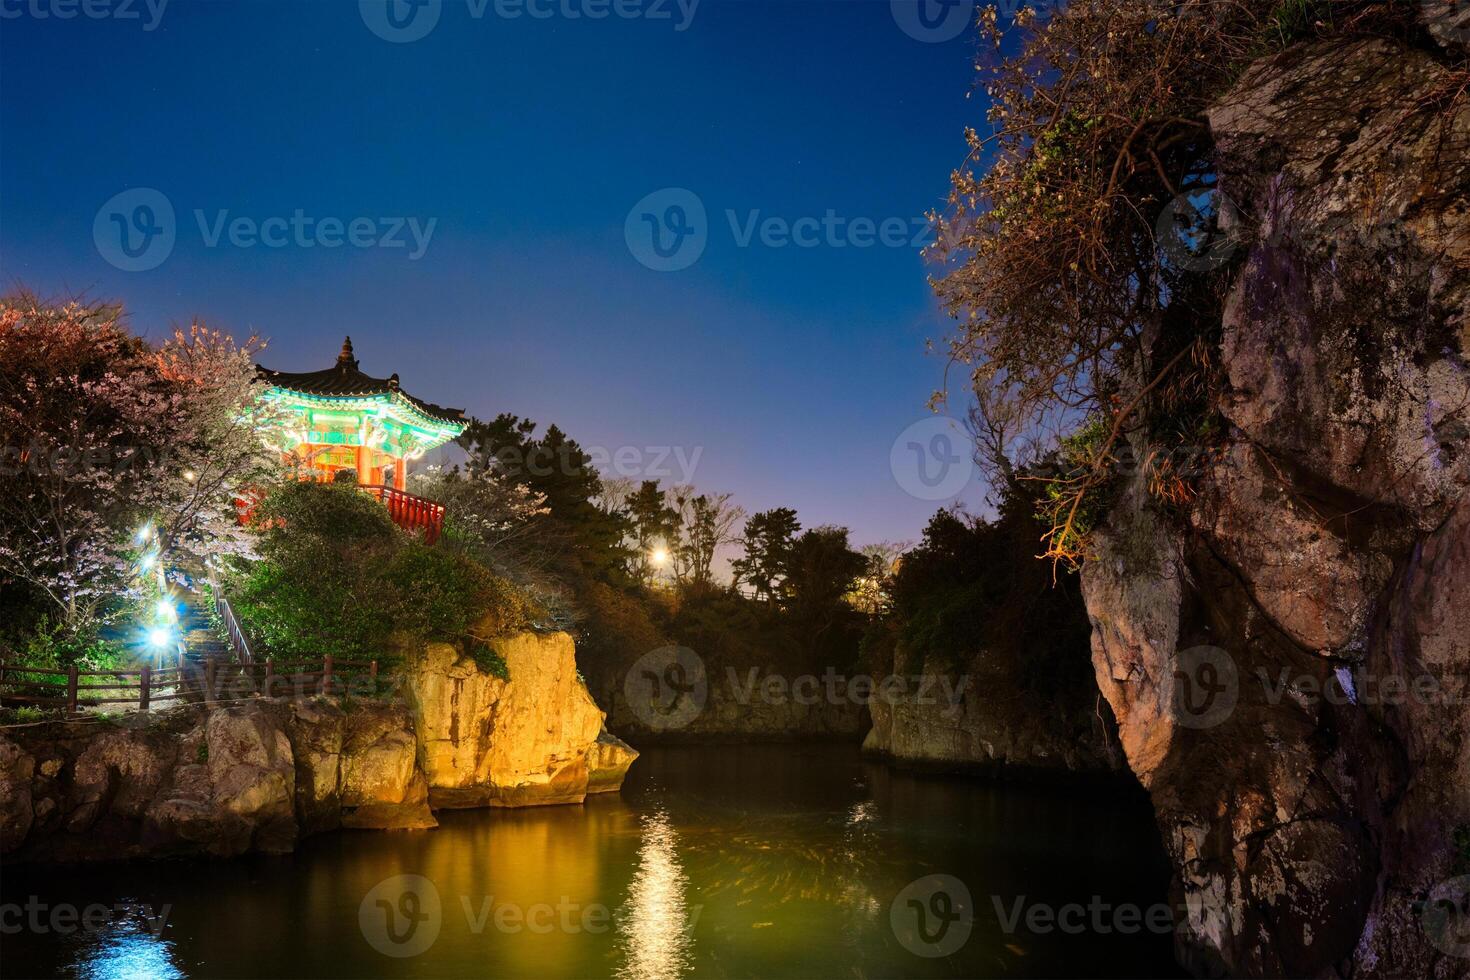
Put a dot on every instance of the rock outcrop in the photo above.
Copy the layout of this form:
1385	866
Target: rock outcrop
535	738
984	721
196	780
746	704
1290	663
260	775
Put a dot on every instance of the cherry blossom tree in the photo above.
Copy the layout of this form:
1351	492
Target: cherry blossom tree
102	436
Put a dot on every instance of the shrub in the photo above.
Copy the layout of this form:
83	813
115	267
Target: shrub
444	595
338	577
490	662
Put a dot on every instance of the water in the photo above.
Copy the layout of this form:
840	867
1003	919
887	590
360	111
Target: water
729	861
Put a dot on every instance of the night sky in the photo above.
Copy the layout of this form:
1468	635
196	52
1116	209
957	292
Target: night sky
783	372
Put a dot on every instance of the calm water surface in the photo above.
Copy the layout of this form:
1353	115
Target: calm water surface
738	861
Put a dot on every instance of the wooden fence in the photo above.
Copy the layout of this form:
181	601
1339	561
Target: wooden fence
208	682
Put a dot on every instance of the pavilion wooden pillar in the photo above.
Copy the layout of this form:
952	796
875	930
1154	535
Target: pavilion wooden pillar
365	467
400	474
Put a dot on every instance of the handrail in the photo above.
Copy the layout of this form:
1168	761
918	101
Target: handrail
205	680
233	629
410	511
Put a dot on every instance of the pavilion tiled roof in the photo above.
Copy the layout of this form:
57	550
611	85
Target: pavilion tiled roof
345	380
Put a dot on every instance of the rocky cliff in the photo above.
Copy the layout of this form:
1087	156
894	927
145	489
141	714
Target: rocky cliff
984	720
195	780
536	737
1289	659
736	704
260	775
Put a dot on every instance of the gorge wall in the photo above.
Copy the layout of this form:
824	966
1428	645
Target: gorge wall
997	724
262	774
1289	658
734	704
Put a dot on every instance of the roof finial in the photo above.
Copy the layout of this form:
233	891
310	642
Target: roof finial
345	359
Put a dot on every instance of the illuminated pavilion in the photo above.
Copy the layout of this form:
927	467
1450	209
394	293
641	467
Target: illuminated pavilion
342	419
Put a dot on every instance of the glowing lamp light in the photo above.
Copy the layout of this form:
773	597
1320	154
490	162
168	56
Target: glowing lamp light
144	533
190	476
660	557
160	637
148	561
166	610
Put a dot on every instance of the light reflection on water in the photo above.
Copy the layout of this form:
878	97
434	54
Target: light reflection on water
723	861
125	951
657	929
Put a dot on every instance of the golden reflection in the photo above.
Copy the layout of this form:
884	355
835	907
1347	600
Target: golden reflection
656	929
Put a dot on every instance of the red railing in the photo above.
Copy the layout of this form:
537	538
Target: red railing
410	511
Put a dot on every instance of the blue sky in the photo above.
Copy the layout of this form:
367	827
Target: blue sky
785	372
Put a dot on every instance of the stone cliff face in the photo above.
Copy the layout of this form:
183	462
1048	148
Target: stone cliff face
736	705
260	775
1289	664
535	738
985	721
192	780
